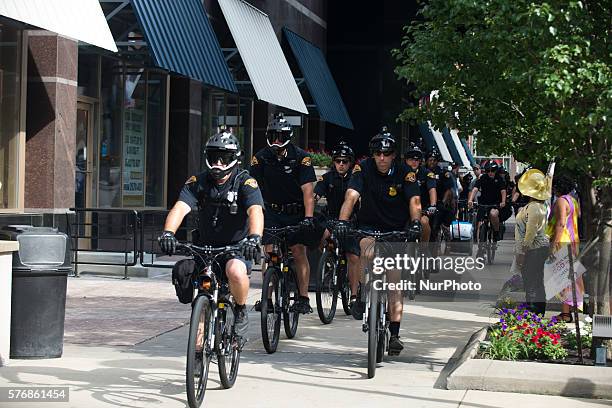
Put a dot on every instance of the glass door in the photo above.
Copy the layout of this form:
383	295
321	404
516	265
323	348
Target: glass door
84	156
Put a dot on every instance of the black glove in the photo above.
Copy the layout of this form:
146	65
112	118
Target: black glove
342	230
415	229
251	248
307	224
167	242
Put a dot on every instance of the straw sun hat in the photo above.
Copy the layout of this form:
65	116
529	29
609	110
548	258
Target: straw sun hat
535	184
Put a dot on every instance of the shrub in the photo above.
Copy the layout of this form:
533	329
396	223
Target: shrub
320	159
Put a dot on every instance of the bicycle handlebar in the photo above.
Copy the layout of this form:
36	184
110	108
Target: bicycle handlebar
208	250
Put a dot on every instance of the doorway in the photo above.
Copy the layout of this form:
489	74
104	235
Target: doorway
84	156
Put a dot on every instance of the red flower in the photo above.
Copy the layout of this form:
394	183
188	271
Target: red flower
538	345
555	341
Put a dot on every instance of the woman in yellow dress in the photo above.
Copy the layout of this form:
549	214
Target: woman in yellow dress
563	230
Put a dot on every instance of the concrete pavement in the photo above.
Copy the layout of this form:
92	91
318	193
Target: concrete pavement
125	346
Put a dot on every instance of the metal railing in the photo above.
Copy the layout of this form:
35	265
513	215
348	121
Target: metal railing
132	233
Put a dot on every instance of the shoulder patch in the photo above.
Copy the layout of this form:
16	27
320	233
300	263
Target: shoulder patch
306	161
191	179
356	168
251	182
411	177
431	175
254	161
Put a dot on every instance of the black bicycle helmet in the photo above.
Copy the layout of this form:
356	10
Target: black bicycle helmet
343	150
382	142
222	153
279	130
491	165
414	152
434	153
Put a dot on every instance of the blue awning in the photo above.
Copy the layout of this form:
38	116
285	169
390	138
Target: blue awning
182	40
427	136
319	80
468	152
450	144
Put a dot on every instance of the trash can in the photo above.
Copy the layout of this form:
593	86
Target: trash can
38	304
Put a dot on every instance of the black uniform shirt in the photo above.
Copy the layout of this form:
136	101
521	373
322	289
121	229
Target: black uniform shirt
385	199
490	189
333	187
212	201
427	180
281	181
444	181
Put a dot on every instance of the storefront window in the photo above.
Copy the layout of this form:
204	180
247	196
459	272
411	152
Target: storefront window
244	130
134	126
156	131
10	103
88	75
111	95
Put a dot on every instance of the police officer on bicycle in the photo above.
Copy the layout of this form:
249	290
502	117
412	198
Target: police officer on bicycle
427	184
230	210
444	193
286	176
390	201
333	187
492	193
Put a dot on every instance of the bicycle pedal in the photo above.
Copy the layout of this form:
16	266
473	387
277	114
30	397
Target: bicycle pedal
364	328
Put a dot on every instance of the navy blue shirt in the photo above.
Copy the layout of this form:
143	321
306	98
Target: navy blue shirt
216	224
333	187
281	180
385	198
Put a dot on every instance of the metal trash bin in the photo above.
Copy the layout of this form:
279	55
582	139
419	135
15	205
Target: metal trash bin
38	304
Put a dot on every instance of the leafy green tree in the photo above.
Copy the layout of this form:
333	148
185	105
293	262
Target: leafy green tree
534	80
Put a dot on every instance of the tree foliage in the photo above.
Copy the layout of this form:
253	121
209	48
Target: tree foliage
532	79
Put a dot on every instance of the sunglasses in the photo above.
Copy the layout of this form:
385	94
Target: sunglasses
386	154
341	161
224	157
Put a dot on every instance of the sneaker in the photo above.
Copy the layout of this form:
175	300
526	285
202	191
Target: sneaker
257	305
395	346
302	306
241	322
357	308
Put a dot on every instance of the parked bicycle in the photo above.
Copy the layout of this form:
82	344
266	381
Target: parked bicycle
279	290
211	330
332	279
375	322
486	244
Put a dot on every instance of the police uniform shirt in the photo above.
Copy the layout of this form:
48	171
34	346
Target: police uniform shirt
203	193
385	199
333	186
427	180
445	181
490	189
281	180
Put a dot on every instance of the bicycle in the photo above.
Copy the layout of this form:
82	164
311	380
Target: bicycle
211	330
279	290
332	279
375	321
486	244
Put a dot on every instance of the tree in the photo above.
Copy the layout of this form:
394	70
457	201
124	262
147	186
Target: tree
534	80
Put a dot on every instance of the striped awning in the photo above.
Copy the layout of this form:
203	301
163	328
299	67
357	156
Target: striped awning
182	40
81	20
262	55
319	80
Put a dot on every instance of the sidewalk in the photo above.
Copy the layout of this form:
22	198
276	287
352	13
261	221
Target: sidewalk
125	346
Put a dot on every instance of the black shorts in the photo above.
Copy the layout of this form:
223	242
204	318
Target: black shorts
351	246
482	213
218	267
505	213
278	220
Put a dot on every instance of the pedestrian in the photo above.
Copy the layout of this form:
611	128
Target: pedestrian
532	244
563	231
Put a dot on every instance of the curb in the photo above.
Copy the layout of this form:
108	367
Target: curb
527	377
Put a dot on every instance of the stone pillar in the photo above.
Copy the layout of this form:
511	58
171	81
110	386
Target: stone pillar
185	134
50	121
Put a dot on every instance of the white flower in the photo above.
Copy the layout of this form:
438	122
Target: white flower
588	319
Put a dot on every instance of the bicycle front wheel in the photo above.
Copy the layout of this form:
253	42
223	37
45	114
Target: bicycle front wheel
227	346
345	290
199	351
372	332
382	333
327	287
270	310
290	296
